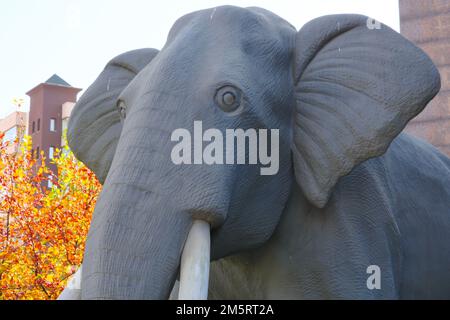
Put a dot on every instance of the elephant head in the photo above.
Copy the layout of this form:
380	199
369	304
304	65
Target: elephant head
338	91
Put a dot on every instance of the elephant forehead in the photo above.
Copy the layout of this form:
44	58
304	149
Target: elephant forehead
229	25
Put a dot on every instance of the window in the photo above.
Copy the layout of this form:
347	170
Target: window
39	125
10	135
52	124
33	127
37	152
51	150
65	122
49	182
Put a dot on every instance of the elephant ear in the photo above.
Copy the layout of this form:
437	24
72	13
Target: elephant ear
357	84
94	125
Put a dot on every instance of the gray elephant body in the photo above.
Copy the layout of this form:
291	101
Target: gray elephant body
337	93
387	212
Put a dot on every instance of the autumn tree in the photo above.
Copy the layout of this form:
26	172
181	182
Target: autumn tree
44	218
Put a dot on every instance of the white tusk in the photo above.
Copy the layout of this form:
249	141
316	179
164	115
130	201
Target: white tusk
73	288
195	260
175	290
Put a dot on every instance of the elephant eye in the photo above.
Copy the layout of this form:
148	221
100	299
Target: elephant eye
228	98
122	108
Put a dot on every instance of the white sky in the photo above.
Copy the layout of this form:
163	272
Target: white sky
75	38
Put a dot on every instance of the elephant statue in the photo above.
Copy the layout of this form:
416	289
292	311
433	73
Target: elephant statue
355	210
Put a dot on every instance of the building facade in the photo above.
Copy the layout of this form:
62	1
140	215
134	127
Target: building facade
427	24
14	127
51	103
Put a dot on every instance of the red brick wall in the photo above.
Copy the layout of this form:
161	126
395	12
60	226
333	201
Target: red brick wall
46	102
427	24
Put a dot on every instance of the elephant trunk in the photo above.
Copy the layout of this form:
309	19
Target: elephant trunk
146	209
134	246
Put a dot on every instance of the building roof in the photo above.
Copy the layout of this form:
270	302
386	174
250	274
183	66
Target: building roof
55	79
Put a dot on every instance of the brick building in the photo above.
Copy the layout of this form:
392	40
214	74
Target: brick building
51	103
427	24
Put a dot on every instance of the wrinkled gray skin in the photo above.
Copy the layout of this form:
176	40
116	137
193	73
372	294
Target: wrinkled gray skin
340	94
